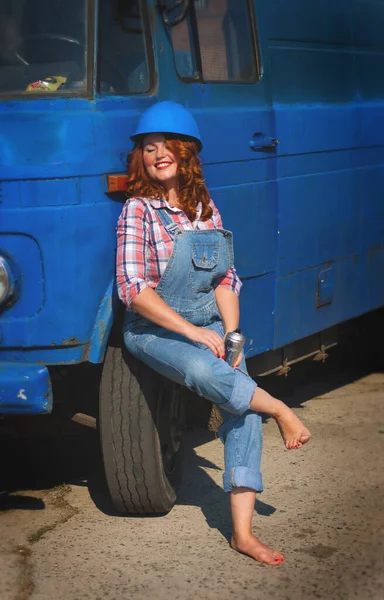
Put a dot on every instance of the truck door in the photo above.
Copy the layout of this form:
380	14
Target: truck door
210	60
325	65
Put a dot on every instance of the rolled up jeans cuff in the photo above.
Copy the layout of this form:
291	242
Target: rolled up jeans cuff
242	477
242	394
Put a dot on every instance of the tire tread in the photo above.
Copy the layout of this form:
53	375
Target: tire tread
131	448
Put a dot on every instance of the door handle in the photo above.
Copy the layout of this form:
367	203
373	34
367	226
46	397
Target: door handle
263	142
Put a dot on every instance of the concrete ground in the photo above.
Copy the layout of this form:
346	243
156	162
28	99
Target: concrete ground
322	506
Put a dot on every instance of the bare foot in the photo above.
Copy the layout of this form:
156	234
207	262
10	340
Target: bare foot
291	428
255	549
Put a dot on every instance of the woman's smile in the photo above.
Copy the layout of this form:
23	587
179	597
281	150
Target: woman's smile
160	166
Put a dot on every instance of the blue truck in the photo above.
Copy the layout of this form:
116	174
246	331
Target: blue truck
289	99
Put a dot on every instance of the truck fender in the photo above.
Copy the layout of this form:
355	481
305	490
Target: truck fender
103	324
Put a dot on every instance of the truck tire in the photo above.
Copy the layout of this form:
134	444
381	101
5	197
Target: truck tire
141	417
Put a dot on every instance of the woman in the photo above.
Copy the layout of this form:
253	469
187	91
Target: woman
176	276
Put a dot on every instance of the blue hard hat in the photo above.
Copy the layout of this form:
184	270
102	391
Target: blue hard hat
168	117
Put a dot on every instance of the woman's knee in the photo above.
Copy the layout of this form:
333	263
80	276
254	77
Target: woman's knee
216	381
129	343
198	374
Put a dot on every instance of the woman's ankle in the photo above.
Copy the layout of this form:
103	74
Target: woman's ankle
281	408
263	402
239	538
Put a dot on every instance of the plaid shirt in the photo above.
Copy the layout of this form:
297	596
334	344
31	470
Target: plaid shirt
144	246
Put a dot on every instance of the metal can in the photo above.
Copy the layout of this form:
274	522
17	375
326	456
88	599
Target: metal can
234	342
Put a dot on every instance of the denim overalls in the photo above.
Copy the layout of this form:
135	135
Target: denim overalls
197	259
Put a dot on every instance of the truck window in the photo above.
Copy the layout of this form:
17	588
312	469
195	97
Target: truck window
216	43
42	47
126	63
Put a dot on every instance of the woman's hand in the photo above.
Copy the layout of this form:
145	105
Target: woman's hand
208	337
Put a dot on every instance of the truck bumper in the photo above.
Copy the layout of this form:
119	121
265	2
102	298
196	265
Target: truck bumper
25	389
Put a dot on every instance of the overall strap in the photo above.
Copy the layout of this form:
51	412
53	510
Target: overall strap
166	220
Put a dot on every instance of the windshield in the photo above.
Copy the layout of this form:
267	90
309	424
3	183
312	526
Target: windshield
42	46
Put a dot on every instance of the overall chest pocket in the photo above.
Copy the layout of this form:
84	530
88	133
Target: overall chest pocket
204	266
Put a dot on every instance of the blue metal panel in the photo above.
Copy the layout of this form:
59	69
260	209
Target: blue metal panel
65	355
371	187
301	72
257	313
51	192
24	389
239	173
367	19
318	219
325	63
297	314
9	194
45	139
314	93
255	238
237	128
304	130
371	118
54	192
340	160
77	257
369	82
328	20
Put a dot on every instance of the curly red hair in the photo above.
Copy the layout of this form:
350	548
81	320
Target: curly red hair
192	188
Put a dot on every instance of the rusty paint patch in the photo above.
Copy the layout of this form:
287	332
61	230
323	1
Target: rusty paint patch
102	327
70	341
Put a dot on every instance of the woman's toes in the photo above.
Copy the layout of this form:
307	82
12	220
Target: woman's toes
293	445
290	444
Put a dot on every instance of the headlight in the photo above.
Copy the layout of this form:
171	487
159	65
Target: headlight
7	281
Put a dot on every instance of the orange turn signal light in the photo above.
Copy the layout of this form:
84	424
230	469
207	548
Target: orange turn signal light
117	183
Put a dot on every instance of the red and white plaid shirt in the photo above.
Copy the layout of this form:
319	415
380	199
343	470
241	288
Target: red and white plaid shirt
144	246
